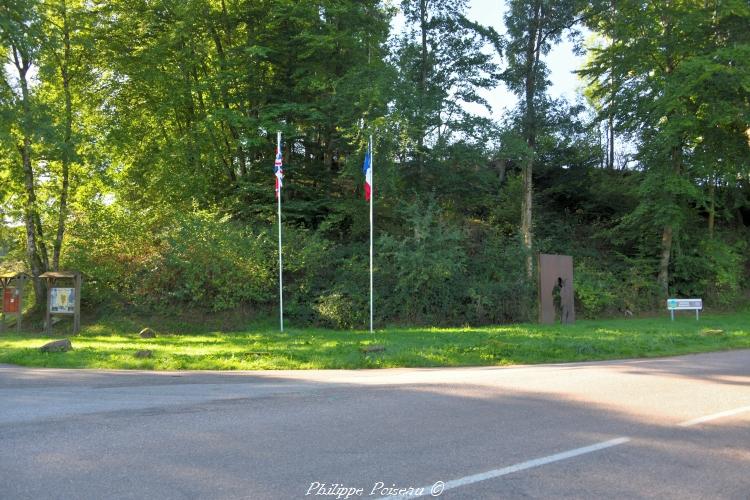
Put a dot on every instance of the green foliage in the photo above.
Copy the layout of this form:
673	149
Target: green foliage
193	259
675	75
712	269
112	247
596	290
158	118
209	261
497	287
505	211
307	264
423	269
343	300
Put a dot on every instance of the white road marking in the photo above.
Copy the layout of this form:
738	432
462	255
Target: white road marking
708	418
464	481
492	474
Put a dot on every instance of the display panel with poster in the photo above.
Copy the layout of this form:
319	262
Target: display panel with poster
63	301
63	297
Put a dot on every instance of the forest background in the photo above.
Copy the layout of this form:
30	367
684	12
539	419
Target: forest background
137	141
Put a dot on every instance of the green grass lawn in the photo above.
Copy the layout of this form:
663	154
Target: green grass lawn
112	344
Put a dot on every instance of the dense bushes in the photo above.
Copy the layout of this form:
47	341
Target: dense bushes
433	272
714	269
610	288
192	259
431	269
423	270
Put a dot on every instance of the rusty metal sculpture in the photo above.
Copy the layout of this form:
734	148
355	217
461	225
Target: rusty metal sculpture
556	289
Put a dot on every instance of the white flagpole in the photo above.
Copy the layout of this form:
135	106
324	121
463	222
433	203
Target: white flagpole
281	287
372	200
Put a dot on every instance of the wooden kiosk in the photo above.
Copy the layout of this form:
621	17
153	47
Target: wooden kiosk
63	297
13	285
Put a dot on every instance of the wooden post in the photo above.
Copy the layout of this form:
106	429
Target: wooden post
2	317
21	287
48	316
77	315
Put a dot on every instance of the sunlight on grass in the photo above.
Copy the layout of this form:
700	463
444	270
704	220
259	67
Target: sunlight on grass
106	345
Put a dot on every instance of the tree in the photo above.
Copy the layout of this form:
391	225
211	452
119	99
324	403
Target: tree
674	75
442	66
65	74
21	36
199	89
533	29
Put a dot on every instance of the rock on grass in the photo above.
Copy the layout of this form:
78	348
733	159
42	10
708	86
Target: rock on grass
368	349
62	345
147	333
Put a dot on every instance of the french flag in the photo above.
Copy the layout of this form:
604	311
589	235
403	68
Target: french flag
367	169
279	172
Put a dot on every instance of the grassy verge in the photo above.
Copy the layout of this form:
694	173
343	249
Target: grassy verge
113	343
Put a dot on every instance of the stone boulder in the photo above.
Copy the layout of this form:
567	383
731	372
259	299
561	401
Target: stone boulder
147	333
144	354
62	345
369	349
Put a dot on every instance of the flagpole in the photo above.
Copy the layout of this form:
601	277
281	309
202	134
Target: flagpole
372	200
281	286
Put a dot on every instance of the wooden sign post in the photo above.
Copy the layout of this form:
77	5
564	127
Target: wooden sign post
13	286
63	297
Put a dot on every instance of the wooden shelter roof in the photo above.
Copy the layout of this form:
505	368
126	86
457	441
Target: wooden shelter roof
60	274
12	275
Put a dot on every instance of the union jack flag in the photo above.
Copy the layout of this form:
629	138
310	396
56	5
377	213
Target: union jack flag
279	172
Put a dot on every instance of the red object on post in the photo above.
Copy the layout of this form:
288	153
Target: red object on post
10	300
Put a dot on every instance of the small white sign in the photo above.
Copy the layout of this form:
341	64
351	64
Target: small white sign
62	301
684	304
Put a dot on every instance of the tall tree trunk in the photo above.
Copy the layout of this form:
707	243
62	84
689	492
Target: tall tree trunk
668	231
532	57
526	212
32	253
666	254
422	84
711	206
67	143
602	145
30	215
501	165
610	142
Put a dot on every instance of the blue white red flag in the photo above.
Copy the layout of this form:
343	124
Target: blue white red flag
279	172
367	169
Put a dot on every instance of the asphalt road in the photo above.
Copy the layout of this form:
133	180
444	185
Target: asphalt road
663	428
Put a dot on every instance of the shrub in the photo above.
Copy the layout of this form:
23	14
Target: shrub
195	258
423	270
596	290
498	288
207	261
712	269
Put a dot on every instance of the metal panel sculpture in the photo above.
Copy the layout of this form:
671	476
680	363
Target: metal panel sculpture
556	289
